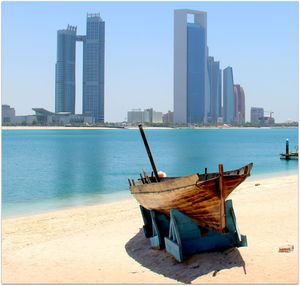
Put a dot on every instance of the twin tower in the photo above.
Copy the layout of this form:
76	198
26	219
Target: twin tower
93	68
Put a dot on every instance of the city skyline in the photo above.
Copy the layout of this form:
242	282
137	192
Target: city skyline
139	60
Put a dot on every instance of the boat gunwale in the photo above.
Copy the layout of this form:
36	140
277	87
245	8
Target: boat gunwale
198	184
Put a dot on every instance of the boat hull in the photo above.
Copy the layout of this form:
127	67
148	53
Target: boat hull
201	197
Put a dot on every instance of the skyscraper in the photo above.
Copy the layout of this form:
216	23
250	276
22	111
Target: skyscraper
239	104
256	114
93	67
191	82
65	70
228	95
215	80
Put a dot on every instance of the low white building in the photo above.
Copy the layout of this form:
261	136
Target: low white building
135	116
27	119
47	117
168	117
157	117
144	116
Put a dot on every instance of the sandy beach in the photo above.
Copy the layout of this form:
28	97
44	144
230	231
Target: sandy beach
105	244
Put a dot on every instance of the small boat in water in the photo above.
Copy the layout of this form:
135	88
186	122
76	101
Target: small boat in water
289	155
199	196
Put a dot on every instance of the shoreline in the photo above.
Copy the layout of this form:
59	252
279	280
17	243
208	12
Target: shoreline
114	199
134	128
82	245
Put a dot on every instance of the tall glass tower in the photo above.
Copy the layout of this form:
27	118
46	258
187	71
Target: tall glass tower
228	95
93	68
65	70
215	79
191	81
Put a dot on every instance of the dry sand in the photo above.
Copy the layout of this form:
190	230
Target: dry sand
105	244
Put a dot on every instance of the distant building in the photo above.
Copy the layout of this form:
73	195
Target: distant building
168	117
266	121
239	104
228	96
141	116
44	117
215	80
220	120
65	70
135	116
157	117
148	115
256	114
191	81
25	119
93	68
8	114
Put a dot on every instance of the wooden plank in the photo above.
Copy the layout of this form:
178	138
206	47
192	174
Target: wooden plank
222	200
202	201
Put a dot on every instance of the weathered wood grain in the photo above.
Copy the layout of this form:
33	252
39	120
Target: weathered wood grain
202	200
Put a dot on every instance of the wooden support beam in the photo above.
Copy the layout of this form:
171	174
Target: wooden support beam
142	178
222	200
147	179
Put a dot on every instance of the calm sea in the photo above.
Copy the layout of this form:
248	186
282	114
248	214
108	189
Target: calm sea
44	170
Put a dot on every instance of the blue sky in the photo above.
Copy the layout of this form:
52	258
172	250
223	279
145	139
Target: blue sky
258	39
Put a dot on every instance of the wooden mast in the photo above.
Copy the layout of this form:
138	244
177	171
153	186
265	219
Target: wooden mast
148	152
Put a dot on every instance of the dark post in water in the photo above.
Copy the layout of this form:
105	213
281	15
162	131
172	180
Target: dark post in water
148	152
287	146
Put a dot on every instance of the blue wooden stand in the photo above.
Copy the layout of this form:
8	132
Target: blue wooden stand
186	237
147	227
160	229
156	227
181	236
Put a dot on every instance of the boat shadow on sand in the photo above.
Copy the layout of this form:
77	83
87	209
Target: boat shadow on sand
194	266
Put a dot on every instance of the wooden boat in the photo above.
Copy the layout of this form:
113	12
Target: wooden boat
199	196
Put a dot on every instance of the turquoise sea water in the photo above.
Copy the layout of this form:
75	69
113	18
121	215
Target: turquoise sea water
44	170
